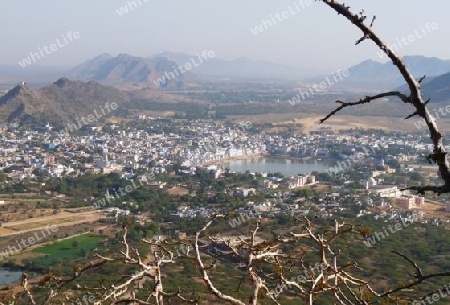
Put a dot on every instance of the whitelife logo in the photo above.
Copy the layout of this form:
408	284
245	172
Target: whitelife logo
239	220
344	165
308	274
404	41
71	36
337	76
131	5
266	24
25	243
437	115
370	241
128	189
187	67
83	121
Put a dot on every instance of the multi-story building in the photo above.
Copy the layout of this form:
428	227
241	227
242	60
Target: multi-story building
408	202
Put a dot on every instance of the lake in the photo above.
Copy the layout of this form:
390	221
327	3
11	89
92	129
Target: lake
8	276
286	166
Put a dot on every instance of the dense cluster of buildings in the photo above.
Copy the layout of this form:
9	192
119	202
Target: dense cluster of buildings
201	143
198	142
122	151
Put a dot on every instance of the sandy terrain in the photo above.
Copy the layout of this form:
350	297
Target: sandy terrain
310	121
178	191
61	219
433	209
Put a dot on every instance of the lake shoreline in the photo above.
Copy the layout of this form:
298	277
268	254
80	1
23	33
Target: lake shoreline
266	163
263	155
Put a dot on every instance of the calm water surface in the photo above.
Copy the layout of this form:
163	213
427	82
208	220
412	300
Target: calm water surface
9	276
286	166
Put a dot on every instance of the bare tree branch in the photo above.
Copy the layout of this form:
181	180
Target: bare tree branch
419	277
414	98
366	100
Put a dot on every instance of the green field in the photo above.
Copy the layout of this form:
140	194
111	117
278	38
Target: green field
66	250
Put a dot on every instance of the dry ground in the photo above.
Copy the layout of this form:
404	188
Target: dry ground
433	209
310	122
61	219
178	191
339	122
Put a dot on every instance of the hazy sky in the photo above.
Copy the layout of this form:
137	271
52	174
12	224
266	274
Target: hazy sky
313	37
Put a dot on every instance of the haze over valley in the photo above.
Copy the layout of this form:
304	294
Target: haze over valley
269	152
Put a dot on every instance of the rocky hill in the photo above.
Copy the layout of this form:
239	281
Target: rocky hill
61	102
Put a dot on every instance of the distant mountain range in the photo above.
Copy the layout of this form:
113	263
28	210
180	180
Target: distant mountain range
240	68
126	70
157	72
383	76
131	72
